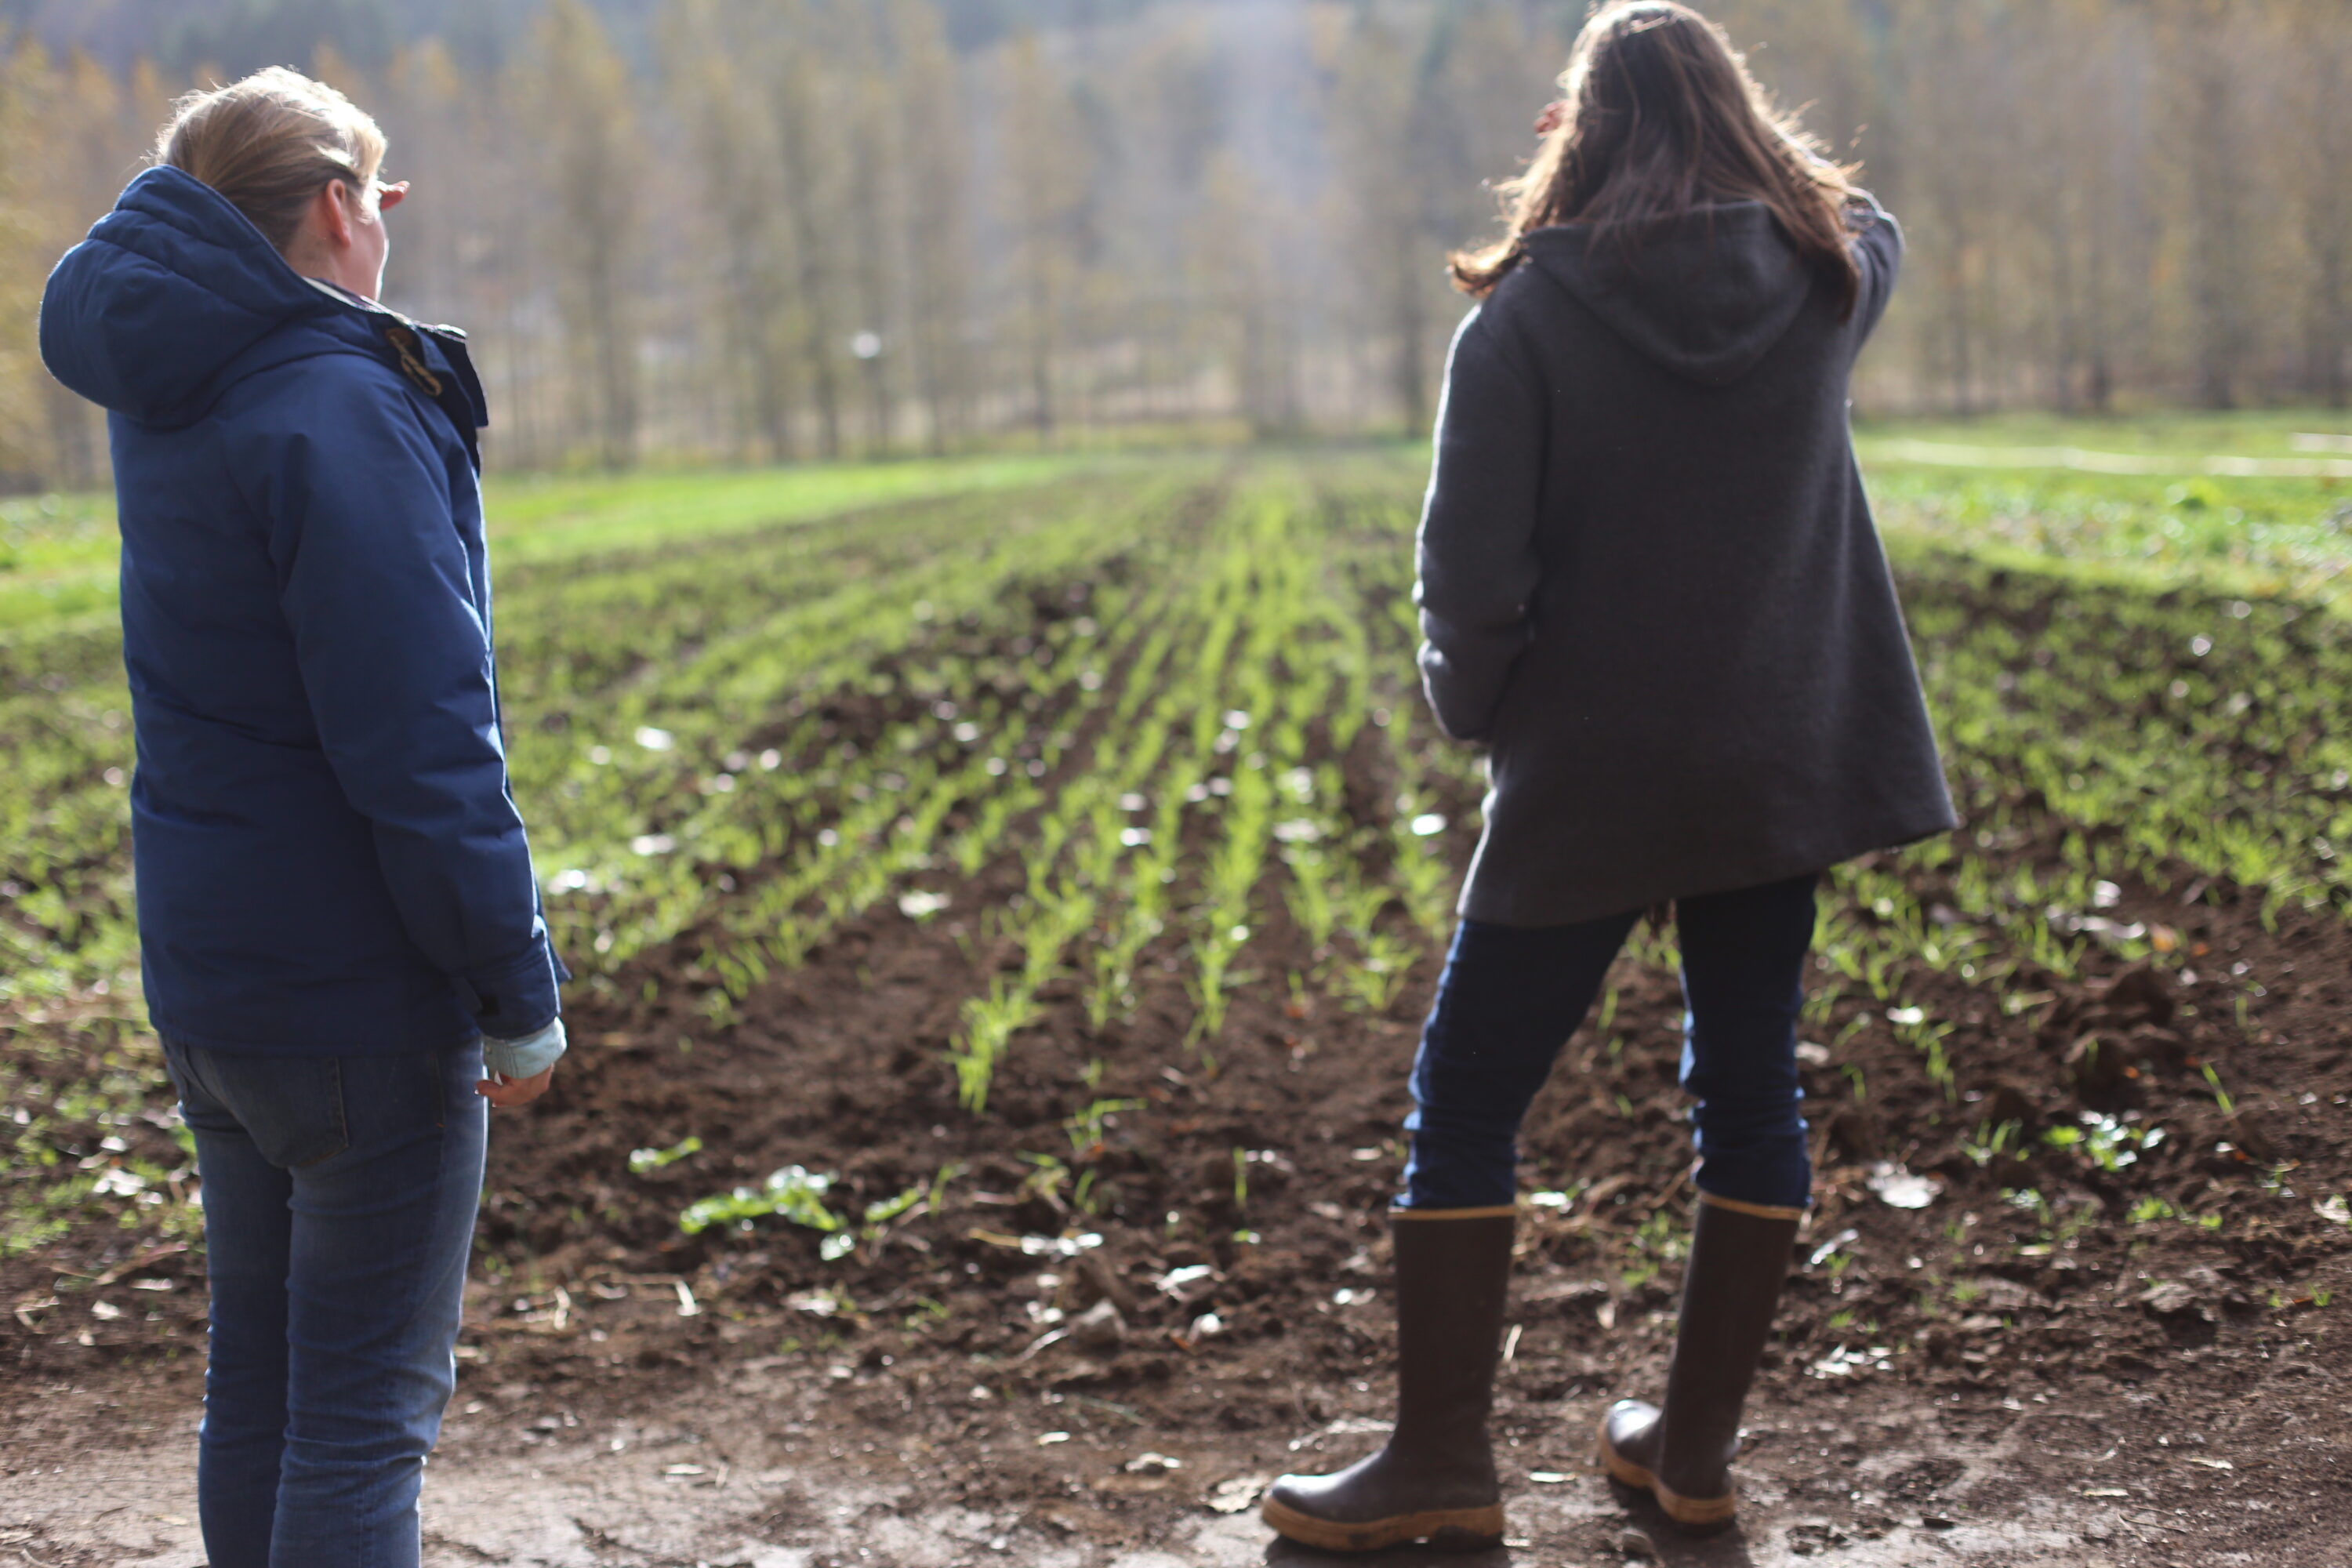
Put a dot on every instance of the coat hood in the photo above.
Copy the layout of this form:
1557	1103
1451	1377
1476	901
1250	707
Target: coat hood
1704	294
164	305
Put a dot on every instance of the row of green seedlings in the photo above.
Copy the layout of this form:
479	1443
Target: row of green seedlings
870	853
713	703
729	817
1169	722
879	844
64	832
1082	835
1227	736
69	929
2200	732
1314	667
582	631
66	735
1999	920
1332	891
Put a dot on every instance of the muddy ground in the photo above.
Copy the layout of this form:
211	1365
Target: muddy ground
1971	1382
1084	1328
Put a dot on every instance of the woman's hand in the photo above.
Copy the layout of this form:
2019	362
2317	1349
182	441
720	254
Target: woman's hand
516	1072
507	1093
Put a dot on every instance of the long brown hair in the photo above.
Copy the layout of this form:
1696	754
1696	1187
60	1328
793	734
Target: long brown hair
1662	114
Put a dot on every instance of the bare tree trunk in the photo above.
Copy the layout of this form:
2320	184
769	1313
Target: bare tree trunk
798	116
933	208
1410	305
2216	247
581	100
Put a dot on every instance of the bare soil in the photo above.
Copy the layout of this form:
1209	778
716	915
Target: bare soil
2143	1365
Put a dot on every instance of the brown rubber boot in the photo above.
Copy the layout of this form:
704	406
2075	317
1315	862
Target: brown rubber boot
1682	1455
1434	1481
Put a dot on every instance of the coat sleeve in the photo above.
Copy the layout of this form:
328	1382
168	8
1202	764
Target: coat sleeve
1476	556
1878	252
394	646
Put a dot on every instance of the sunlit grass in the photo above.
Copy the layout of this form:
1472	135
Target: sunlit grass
58	553
2229	532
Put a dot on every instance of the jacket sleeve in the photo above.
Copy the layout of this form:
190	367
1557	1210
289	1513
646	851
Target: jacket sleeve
1878	252
1476	559
394	646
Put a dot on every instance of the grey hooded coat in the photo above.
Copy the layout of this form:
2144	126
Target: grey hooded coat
1649	576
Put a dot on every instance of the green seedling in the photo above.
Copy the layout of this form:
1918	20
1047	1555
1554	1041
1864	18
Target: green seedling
1088	1128
2107	1142
1991	1143
643	1161
2221	1096
793	1195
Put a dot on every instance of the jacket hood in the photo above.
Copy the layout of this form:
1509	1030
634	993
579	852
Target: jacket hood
161	308
1704	294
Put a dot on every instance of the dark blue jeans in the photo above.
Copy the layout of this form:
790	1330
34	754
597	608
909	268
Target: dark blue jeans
340	1194
1511	996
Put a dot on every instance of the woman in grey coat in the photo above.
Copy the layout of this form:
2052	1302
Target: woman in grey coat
1651	585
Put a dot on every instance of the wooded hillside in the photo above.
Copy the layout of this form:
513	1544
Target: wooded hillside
778	228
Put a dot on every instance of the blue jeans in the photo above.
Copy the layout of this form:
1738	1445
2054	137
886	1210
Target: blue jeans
340	1194
1511	996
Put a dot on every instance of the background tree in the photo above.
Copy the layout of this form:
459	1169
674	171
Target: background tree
580	128
2315	132
934	214
816	191
714	73
1375	206
1046	160
673	225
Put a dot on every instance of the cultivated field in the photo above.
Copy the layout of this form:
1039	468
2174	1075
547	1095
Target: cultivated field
1005	892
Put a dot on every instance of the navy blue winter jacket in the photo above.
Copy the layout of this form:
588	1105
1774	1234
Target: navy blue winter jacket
328	860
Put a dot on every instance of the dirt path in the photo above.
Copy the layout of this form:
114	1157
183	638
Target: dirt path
754	1470
2121	1396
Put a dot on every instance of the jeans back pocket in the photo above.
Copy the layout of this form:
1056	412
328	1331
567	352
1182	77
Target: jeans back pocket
291	1107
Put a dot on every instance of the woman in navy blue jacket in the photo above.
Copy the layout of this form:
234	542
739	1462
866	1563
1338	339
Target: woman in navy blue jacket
341	932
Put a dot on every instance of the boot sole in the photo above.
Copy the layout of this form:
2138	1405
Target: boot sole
1448	1530
1708	1513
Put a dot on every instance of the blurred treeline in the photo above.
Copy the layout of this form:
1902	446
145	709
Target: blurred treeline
765	229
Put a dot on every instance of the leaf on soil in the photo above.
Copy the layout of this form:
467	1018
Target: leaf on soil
1844	1363
1902	1189
1831	1247
1099	1327
1237	1495
2171	1299
1189	1283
